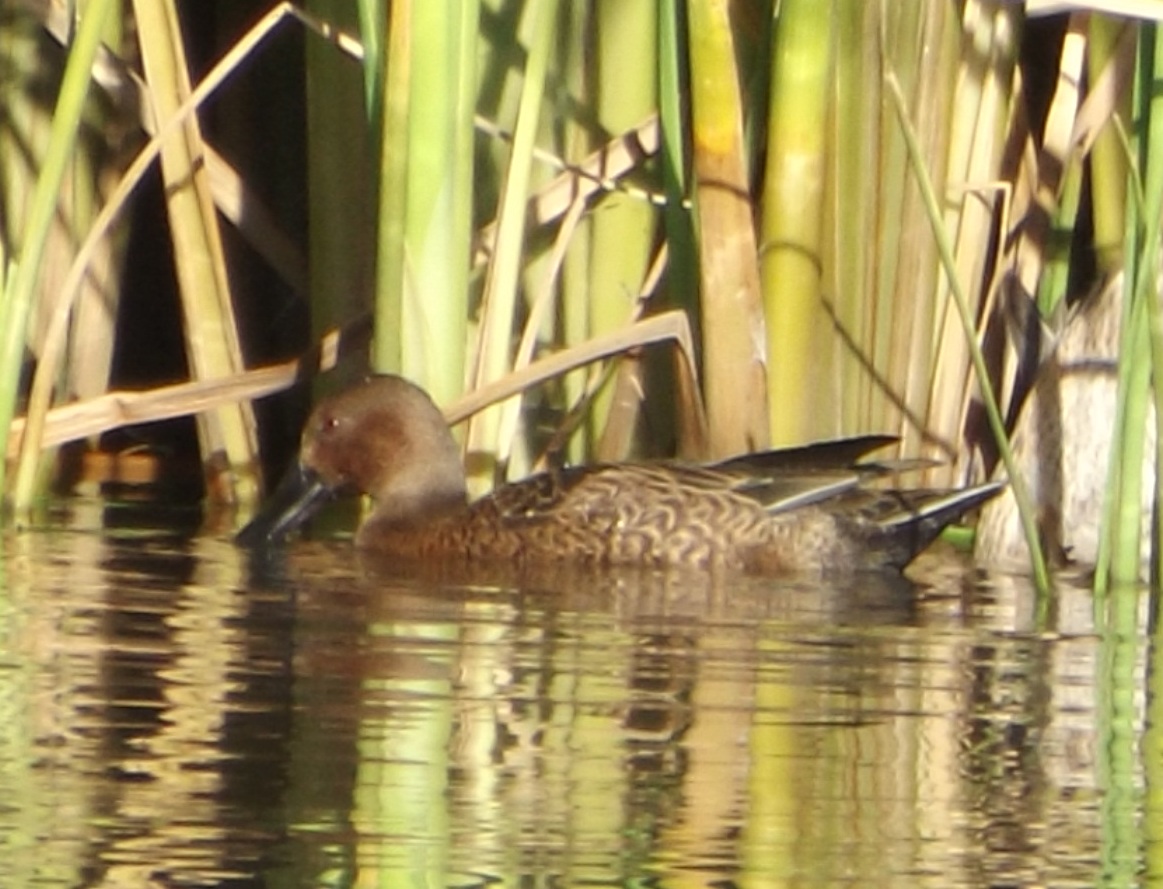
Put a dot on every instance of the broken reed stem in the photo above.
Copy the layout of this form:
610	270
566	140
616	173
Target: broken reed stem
116	409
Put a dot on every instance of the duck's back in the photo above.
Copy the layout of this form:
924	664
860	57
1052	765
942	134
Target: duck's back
652	515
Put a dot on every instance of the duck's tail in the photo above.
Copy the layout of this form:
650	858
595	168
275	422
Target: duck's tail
921	515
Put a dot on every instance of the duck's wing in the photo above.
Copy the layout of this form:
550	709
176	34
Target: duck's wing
536	496
778	480
792	478
841	453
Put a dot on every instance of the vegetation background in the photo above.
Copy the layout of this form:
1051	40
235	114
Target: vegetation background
841	216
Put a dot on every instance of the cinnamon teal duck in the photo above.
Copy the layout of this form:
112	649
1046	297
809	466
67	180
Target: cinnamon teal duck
798	510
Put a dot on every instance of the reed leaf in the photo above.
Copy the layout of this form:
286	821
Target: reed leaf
503	277
372	26
114	410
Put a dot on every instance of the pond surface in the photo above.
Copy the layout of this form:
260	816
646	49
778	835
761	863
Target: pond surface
174	712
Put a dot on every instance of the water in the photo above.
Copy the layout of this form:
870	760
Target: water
176	713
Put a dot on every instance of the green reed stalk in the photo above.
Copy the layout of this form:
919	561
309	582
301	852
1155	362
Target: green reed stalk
392	208
1054	281
341	169
439	190
673	68
577	141
732	310
22	270
798	335
1142	342
682	262
850	208
622	232
1108	158
1149	285
373	18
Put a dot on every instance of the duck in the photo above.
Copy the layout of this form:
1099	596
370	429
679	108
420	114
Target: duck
801	510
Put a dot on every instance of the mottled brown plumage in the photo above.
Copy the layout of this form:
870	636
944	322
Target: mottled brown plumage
792	511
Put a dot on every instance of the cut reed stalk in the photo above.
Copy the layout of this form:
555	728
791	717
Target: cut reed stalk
1110	50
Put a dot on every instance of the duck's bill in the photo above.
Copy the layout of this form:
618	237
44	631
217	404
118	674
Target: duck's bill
299	496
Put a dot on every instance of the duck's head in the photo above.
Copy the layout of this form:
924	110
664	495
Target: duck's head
383	437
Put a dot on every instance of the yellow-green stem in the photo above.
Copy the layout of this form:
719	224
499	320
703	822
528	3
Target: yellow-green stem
1017	481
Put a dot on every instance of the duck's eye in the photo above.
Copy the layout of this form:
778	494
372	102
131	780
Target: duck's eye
328	423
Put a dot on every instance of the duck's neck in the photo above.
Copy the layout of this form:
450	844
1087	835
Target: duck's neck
417	501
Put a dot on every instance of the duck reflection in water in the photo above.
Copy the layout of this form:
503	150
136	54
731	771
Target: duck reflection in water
798	511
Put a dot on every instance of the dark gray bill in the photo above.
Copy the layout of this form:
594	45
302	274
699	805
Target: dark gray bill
298	497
